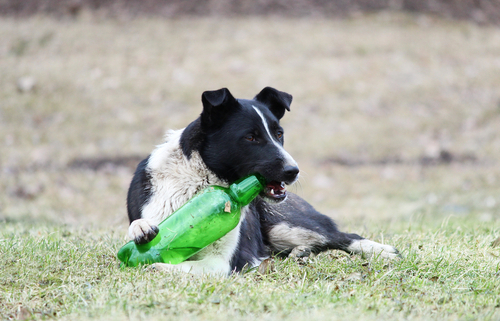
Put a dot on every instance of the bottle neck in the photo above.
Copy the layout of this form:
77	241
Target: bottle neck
247	189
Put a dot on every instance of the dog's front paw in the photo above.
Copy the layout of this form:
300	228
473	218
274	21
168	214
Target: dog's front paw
161	267
142	231
369	248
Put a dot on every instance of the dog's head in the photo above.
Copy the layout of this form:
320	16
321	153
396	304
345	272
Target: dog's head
239	137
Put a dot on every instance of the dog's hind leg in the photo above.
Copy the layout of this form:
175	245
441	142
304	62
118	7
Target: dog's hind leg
370	248
296	223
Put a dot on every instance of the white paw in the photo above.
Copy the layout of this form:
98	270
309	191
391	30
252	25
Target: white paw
142	231
162	267
369	248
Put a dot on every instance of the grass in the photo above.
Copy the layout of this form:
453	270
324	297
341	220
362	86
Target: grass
378	101
62	272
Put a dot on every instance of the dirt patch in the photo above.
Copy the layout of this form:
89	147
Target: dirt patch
482	11
106	163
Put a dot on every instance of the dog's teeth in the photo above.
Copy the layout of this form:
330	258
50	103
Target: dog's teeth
272	191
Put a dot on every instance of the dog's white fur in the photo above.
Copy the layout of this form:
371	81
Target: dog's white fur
288	159
175	179
284	237
370	248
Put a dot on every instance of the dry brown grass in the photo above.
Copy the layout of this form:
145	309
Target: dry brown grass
376	98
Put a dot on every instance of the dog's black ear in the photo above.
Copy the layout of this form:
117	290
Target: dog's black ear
217	105
276	100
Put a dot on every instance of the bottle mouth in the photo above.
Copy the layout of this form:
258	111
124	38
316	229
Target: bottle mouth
248	188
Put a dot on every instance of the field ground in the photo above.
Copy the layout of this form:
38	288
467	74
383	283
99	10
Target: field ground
395	124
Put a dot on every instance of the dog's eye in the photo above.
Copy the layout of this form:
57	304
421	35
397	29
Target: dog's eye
280	134
250	138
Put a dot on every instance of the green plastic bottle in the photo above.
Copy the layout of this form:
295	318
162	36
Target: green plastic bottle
207	217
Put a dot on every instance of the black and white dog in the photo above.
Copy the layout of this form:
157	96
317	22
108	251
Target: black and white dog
231	139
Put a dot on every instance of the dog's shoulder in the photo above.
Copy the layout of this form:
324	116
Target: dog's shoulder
167	179
139	191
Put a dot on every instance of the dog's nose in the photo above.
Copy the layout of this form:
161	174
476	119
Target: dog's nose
290	172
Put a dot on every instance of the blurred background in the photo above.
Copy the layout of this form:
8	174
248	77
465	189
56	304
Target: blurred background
395	120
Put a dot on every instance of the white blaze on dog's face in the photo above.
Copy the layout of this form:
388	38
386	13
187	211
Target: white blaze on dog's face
276	190
287	158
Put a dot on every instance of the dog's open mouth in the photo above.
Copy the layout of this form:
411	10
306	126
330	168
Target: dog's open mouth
275	190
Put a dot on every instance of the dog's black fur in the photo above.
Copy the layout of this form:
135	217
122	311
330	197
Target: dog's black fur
236	138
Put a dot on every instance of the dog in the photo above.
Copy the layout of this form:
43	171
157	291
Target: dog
231	139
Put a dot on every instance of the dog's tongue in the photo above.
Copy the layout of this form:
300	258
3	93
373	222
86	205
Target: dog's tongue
276	190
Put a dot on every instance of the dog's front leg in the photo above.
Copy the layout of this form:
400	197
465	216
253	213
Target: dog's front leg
213	265
165	267
214	259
